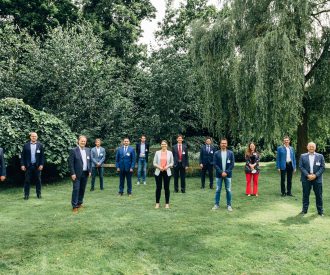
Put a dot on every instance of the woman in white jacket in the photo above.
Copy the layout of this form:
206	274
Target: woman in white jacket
163	162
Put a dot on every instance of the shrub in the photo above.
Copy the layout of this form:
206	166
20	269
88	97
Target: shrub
19	119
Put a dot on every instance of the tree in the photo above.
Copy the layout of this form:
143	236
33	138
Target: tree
264	67
118	23
38	15
19	119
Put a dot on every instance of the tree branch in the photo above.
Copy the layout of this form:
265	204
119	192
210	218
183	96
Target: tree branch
317	13
324	54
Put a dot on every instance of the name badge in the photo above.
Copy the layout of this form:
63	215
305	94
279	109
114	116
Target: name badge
38	151
318	164
128	154
228	161
211	152
101	155
146	150
183	153
87	157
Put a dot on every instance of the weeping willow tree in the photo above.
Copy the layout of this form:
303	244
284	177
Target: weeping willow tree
264	69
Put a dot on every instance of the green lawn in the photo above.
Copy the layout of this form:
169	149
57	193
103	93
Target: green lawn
122	235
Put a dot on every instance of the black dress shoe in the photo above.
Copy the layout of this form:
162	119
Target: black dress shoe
39	196
290	195
321	214
92	189
283	195
120	194
26	197
211	187
183	191
303	213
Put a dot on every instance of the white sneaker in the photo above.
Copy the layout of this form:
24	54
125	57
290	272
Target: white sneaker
215	207
138	183
229	208
144	183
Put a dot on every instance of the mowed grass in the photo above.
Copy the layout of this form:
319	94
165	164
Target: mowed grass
122	235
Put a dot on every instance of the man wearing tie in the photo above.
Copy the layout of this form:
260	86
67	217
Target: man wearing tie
312	166
181	164
224	162
98	158
125	162
142	152
2	166
286	165
32	163
206	161
80	170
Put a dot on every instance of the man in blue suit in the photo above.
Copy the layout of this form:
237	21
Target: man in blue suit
98	158
206	161
125	162
80	170
32	163
286	165
224	162
2	166
181	164
312	166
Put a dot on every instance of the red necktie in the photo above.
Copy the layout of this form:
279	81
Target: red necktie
180	152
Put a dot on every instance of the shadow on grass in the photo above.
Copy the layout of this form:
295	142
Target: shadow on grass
298	219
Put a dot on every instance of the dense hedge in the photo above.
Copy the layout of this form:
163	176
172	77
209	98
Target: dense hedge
19	119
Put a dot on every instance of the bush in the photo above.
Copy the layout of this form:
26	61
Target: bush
19	119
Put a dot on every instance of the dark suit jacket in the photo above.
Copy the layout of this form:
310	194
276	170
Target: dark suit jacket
318	167
76	162
2	163
125	162
26	154
206	157
230	162
138	148
185	158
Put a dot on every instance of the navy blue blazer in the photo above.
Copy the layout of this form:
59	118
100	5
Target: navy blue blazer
2	163
138	149
281	157
206	157
185	158
97	158
318	167
230	162
125	162
26	154
76	162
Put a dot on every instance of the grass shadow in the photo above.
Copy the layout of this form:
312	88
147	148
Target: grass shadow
298	219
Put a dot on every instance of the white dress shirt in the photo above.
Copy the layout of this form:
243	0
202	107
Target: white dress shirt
288	156
311	162
84	158
98	151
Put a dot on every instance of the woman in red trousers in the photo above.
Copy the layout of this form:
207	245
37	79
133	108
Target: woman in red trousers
252	169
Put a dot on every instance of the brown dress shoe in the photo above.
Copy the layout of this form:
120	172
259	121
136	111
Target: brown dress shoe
75	210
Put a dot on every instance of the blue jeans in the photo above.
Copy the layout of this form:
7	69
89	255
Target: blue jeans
142	169
228	190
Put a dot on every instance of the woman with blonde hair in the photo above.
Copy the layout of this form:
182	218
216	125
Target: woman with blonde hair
252	169
163	162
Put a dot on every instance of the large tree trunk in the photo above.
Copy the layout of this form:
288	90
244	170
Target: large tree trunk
302	132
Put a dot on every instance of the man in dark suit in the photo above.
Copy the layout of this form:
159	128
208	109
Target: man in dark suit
2	166
206	161
286	165
312	166
181	164
80	170
142	152
224	162
125	162
32	163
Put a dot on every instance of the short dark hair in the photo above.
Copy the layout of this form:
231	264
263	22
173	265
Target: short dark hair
223	138
179	135
143	136
125	138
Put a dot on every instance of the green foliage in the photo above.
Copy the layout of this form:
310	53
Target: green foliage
118	23
251	64
39	15
19	119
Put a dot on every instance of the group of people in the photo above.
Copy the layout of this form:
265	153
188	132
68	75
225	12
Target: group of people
85	162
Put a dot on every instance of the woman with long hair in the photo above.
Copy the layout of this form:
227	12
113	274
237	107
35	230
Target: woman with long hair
252	169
